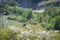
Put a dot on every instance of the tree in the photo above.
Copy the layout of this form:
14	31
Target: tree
27	14
52	11
9	2
55	23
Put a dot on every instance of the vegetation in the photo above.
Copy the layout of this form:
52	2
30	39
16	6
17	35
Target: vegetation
17	23
48	19
6	34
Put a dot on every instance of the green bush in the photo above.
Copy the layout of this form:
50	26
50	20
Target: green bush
55	23
6	34
52	11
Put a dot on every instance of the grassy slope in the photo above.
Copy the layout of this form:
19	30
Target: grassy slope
49	1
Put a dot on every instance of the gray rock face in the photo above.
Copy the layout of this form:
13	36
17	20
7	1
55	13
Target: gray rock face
26	4
36	6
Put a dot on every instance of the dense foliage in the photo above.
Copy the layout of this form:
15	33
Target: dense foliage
6	34
29	25
46	19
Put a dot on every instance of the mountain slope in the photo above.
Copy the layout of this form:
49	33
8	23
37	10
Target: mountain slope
29	4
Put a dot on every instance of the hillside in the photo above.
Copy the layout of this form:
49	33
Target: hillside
29	19
39	4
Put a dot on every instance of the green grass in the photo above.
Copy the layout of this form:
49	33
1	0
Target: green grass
14	23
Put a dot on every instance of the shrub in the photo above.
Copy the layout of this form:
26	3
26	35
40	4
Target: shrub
6	34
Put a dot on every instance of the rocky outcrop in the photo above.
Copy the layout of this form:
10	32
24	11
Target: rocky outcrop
26	4
37	6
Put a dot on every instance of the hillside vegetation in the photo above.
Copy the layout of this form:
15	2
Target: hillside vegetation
20	23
